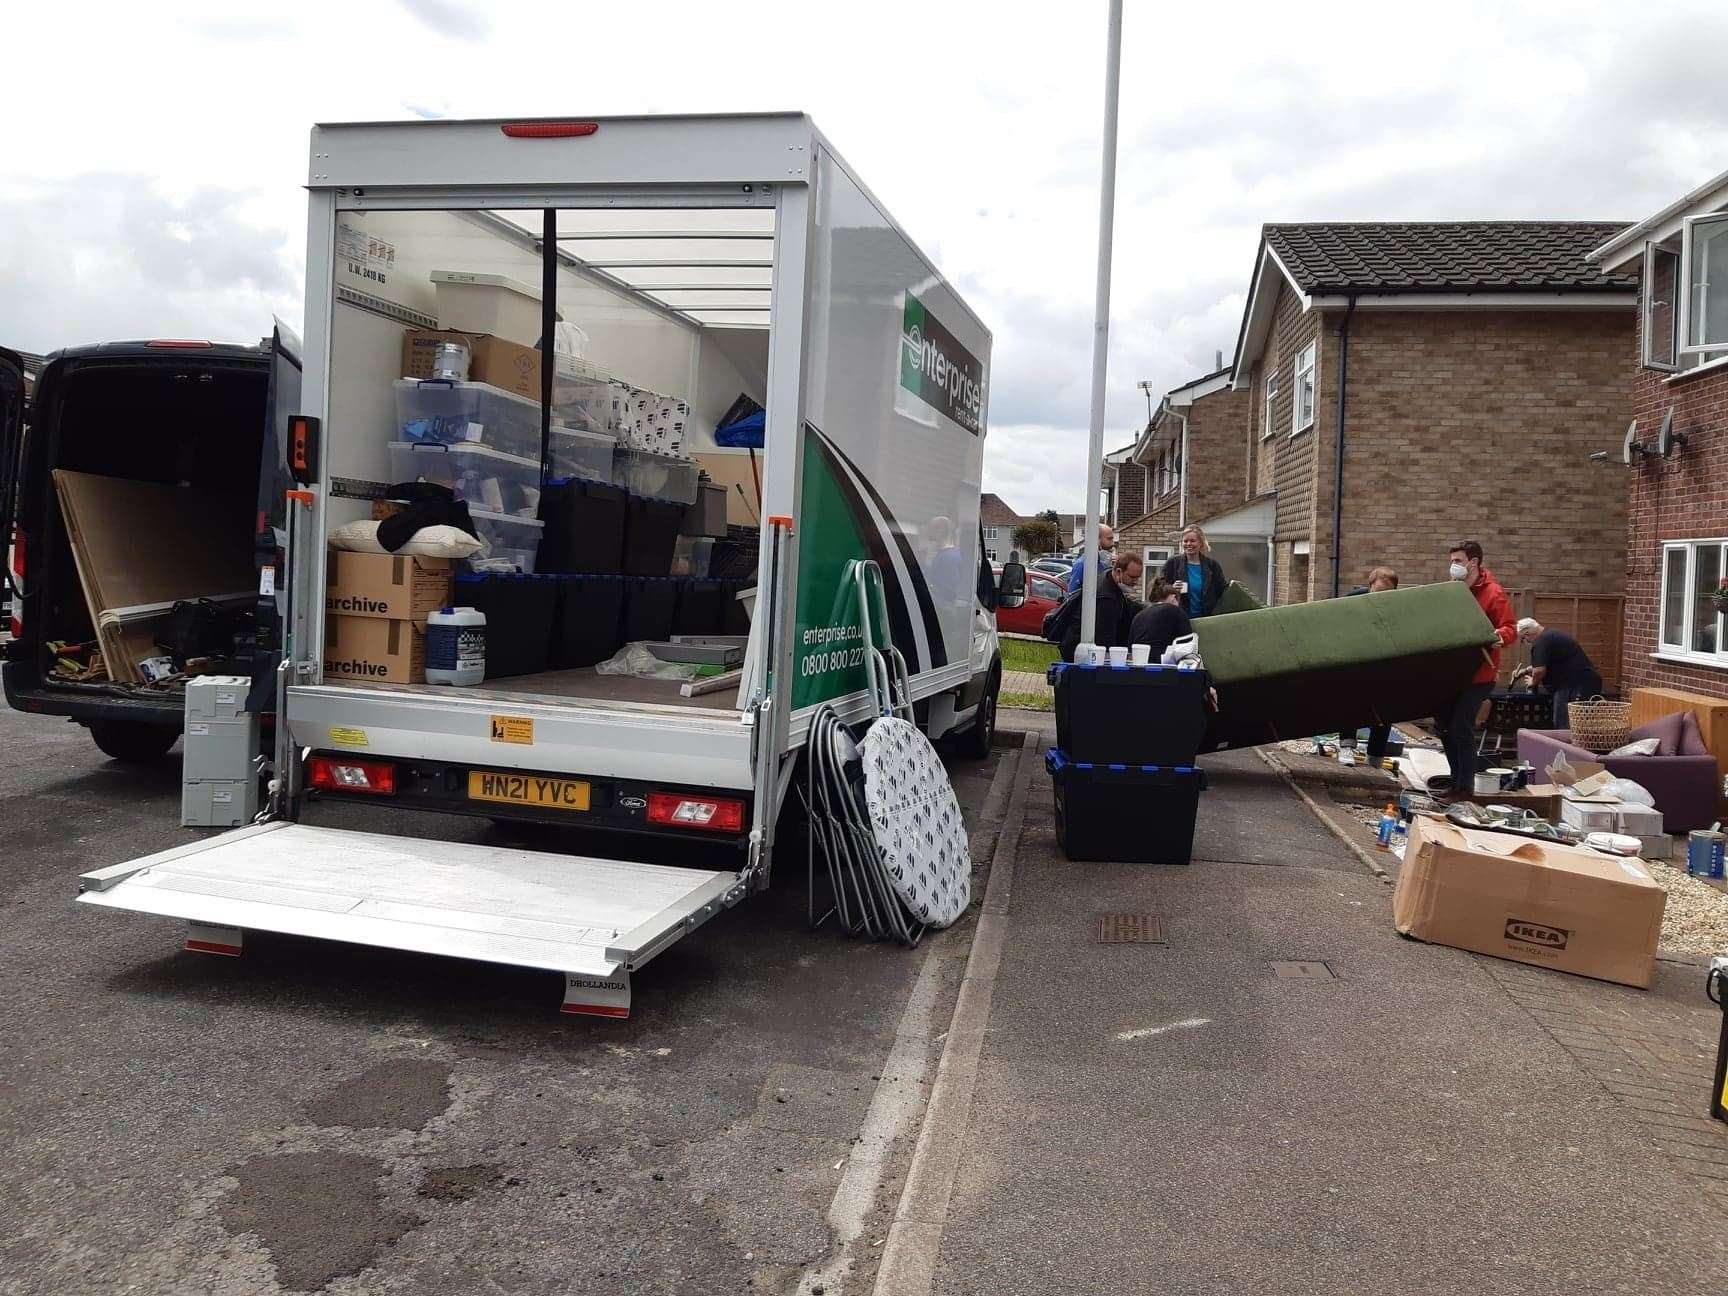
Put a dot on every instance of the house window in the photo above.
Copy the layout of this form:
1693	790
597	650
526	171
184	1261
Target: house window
1704	286
1268	419
1302	393
1659	338
989	533
1692	572
1176	465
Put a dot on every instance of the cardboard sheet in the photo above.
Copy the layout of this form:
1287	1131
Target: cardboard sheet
140	543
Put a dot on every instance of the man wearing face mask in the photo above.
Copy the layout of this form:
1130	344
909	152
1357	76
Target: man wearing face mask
1459	724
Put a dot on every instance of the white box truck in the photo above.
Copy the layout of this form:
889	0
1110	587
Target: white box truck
698	259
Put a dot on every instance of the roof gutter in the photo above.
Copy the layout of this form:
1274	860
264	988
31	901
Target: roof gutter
1338	448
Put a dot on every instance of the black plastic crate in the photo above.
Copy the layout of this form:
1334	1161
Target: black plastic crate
701	609
1131	715
1127	814
588	628
585	525
650	608
650	535
520	611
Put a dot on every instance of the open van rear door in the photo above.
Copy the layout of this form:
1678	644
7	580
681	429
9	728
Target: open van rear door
271	535
11	448
594	920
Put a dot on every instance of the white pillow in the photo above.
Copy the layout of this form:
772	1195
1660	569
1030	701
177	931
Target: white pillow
1642	747
428	542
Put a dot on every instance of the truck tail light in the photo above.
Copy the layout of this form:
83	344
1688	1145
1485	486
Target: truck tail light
17	597
333	774
548	130
705	814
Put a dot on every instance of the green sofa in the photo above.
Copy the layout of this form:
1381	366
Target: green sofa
1339	664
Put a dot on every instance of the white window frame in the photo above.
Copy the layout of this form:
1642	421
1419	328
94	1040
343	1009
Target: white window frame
1269	416
1683	320
1155	556
1683	650
1306	360
990	533
1647	303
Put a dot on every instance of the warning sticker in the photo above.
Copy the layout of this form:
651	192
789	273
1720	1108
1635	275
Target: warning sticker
513	729
341	737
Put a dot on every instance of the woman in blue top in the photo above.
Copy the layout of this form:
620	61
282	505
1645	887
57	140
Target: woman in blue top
1195	567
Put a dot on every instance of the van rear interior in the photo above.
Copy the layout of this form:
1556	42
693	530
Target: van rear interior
613	516
190	419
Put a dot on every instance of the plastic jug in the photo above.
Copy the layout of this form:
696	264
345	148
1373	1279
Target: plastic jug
456	646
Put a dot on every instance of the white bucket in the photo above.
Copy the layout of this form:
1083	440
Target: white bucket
456	646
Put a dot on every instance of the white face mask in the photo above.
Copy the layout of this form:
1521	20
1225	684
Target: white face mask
1458	571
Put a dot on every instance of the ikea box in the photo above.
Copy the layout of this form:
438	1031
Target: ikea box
369	649
391	587
492	360
1538	902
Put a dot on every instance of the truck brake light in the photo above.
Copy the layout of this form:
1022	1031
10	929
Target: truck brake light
374	778
707	814
549	130
180	344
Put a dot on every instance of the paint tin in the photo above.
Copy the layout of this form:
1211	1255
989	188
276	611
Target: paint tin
1704	853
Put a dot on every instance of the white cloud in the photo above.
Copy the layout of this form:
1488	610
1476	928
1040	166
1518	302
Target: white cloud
977	128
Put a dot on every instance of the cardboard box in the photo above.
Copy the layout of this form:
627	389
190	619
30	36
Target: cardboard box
1637	820
1591	816
370	650
493	360
390	587
1541	799
1555	906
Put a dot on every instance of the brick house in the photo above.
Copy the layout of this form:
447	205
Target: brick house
1675	454
1479	363
998	522
1190	459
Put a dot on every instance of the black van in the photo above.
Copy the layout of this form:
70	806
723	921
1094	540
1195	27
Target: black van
189	413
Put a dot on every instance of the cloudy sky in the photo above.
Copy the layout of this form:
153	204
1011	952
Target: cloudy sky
150	185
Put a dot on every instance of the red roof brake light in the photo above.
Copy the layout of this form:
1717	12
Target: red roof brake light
549	130
180	344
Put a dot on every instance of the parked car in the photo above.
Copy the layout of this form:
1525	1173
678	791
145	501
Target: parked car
1043	594
1050	565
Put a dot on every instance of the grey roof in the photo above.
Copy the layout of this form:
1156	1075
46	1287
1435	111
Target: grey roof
1462	256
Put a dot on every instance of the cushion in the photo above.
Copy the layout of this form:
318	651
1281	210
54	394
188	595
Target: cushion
428	542
1639	747
1666	730
1692	737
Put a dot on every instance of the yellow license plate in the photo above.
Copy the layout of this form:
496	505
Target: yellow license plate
528	790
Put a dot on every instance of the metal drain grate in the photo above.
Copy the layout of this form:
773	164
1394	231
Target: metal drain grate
1130	929
1307	970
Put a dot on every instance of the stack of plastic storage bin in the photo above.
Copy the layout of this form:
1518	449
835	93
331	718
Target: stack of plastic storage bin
1126	786
219	775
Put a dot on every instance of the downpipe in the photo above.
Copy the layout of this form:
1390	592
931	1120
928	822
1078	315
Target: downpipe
1338	448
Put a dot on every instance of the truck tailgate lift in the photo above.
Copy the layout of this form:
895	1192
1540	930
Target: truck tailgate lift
594	920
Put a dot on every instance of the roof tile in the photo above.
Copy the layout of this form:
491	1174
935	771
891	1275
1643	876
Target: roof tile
1505	256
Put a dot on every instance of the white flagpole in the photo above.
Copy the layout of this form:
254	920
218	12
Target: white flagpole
1101	327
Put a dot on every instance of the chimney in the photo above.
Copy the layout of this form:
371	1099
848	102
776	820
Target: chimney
1218	359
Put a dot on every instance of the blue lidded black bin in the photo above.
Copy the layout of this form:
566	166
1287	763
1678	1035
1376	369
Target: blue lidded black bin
1132	715
520	611
1125	814
588	628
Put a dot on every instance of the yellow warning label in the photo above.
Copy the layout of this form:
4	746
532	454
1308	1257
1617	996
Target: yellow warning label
341	737
513	729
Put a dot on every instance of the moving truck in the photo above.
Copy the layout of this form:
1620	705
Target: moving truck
591	270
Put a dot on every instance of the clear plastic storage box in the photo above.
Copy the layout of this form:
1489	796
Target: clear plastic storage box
513	542
588	455
437	412
485	478
655	476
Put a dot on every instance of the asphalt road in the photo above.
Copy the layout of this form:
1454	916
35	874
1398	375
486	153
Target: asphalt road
316	1117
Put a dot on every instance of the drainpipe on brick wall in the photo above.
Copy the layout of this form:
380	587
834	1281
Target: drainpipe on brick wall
1182	502
1338	448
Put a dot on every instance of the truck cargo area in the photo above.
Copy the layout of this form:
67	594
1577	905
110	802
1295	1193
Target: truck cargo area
623	510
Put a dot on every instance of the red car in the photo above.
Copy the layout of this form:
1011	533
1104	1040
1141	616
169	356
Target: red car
1043	595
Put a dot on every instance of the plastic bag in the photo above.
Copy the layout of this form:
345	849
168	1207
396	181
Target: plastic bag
635	659
1631	793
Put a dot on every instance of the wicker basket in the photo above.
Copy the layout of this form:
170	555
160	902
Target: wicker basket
1599	725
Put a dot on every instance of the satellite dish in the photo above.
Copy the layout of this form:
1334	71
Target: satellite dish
1630	443
1668	440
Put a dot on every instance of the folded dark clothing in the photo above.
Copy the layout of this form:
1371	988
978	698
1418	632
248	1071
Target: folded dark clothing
428	504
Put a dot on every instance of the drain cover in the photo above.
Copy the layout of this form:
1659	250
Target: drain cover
1130	929
1303	971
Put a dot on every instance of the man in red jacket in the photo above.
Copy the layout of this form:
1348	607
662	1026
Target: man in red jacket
1459	725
